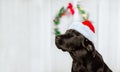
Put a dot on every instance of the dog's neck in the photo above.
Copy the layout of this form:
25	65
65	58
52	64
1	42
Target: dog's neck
81	56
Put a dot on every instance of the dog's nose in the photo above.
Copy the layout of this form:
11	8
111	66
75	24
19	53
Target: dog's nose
58	37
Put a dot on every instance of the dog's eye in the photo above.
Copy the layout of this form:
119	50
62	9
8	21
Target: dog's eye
86	40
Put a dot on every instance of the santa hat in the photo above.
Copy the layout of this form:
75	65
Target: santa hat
85	28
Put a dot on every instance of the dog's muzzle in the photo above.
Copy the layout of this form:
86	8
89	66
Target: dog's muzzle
59	40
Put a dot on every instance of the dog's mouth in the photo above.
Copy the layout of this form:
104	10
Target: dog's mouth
65	49
59	44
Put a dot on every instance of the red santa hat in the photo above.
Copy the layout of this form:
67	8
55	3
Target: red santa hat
85	28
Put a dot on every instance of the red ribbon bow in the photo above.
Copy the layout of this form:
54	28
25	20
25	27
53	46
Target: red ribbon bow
70	6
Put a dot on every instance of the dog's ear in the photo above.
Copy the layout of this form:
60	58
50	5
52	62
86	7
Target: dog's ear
89	46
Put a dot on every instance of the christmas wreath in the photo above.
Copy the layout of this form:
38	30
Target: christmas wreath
62	12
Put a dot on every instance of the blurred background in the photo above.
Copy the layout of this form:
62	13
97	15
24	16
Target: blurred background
27	38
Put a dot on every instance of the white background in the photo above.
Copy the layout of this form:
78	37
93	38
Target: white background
27	40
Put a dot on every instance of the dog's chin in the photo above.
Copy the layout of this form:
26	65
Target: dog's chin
64	50
61	49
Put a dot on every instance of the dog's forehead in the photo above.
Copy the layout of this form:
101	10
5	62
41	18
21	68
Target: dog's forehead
70	31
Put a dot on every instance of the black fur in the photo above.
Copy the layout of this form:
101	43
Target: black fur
84	55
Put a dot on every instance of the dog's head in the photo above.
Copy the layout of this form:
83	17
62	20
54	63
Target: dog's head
72	40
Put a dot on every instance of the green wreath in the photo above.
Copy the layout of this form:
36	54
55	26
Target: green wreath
62	12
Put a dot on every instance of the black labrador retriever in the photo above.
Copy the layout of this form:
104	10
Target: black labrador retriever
84	55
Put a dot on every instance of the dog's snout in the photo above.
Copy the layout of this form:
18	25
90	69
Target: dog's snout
58	37
59	40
